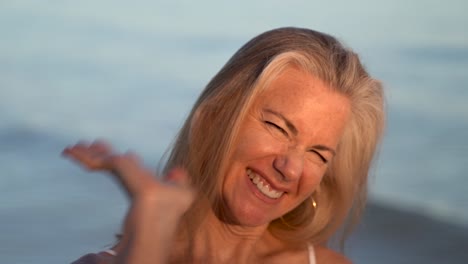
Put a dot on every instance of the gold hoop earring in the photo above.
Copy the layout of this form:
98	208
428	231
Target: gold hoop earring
286	223
314	203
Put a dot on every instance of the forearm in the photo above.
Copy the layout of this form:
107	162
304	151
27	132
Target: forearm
156	206
151	227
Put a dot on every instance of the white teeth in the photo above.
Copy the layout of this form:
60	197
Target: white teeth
255	179
262	186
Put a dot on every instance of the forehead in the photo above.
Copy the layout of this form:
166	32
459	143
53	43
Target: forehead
307	101
293	84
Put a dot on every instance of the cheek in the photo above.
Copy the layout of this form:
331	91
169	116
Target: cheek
311	180
254	143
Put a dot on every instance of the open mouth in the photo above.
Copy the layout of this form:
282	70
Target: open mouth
263	186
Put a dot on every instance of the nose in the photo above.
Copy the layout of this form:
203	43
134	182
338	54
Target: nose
290	165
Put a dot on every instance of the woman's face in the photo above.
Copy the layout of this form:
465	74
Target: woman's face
284	147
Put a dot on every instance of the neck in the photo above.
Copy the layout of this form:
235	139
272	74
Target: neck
218	242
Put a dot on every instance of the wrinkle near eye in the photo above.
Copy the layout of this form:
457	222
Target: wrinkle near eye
317	157
277	127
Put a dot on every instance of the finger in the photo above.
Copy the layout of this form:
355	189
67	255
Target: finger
81	145
84	159
101	147
81	154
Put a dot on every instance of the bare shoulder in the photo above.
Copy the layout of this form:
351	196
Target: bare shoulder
325	255
96	258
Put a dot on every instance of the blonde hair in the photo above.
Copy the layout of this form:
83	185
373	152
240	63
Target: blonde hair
205	142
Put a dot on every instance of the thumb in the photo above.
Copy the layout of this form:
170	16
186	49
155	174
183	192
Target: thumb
178	176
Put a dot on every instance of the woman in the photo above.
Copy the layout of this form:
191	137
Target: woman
271	162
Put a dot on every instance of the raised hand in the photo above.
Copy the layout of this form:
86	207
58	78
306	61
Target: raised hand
156	206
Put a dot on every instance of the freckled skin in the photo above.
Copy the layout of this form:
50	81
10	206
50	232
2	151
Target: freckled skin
287	158
278	141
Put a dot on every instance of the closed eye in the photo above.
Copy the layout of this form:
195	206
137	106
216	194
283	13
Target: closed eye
277	127
319	155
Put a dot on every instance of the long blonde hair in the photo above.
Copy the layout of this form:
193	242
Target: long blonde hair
205	142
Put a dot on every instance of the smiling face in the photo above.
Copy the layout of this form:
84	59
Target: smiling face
283	147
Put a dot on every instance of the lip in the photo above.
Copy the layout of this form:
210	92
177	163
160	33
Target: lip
278	188
260	195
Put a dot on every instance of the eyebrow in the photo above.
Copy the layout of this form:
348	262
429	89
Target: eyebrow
288	123
293	129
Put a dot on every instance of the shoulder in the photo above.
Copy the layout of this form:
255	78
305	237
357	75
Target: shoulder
104	257
325	255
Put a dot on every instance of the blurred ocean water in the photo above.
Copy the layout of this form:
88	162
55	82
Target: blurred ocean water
130	73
